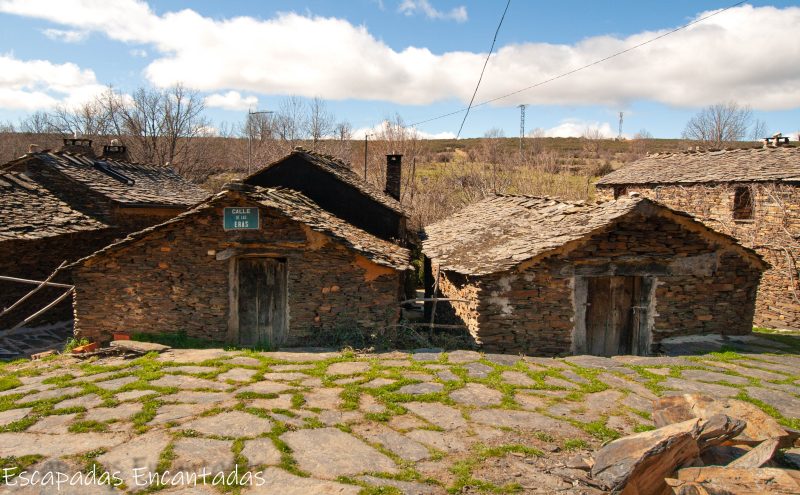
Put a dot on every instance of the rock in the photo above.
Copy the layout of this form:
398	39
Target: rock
478	370
260	452
525	420
792	458
87	401
139	347
786	404
759	456
503	359
400	445
444	441
20	444
405	487
421	388
279	482
244	361
718	429
477	394
722	455
560	383
445	417
458	357
580	461
123	411
288	376
329	453
378	383
280	402
194	455
237	375
639	463
191	369
56	424
193	397
713	389
331	418
447	376
760	426
140	453
265	387
13	415
369	404
116	383
186	382
48	472
232	424
712	376
324	398
133	394
713	480
176	412
517	378
347	368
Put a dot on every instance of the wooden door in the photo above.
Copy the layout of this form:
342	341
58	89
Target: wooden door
262	302
610	318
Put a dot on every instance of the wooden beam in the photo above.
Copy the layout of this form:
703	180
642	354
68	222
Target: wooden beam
43	310
34	291
34	282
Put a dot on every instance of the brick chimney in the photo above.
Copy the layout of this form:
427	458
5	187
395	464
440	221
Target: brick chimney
78	146
394	174
116	151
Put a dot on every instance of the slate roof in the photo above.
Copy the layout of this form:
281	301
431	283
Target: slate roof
342	171
123	182
300	208
780	164
29	211
500	232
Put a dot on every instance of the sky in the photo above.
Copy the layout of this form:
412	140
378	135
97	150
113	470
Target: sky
372	60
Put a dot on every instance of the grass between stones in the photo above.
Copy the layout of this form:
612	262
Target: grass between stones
12	466
463	470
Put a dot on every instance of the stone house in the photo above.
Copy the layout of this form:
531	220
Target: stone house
249	266
64	205
750	194
336	188
545	277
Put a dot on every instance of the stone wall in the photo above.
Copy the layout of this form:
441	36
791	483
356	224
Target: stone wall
773	232
700	288
171	280
36	260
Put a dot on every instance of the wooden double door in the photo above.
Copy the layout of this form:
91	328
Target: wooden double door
616	315
262	302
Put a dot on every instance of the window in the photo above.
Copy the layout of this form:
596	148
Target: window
742	203
620	191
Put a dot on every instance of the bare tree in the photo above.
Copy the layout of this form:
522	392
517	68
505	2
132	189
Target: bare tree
290	119
91	119
37	123
760	130
720	124
319	122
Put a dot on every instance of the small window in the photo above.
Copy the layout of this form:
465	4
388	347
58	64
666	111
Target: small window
620	191
742	204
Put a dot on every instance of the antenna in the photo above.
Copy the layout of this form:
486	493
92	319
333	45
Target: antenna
521	125
619	136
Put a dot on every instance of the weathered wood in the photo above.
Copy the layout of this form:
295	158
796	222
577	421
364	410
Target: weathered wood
35	282
43	310
39	287
261	301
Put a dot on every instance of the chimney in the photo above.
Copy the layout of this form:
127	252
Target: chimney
394	174
116	151
78	146
777	140
34	148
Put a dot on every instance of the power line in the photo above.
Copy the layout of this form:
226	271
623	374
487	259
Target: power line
491	49
578	69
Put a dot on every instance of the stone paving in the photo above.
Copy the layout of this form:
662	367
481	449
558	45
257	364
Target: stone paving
343	423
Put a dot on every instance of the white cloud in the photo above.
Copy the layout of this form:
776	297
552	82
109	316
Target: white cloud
232	100
412	7
577	128
731	56
383	127
138	52
37	84
67	36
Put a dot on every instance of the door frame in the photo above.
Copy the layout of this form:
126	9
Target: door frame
232	335
644	313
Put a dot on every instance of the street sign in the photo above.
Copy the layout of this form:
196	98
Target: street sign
241	219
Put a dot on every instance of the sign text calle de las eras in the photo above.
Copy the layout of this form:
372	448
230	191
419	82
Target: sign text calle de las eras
240	219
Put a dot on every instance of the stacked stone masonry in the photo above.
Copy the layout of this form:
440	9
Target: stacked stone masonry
773	232
530	309
170	280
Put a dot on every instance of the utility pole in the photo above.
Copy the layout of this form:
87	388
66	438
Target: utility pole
521	126
619	136
250	114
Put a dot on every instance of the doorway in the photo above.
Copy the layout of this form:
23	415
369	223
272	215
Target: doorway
261	304
616	315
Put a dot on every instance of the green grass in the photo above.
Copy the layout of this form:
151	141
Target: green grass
12	466
178	340
8	382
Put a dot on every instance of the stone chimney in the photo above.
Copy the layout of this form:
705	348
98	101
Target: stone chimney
116	151
777	140
78	146
394	174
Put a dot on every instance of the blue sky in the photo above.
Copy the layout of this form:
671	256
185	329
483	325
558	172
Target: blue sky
373	59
